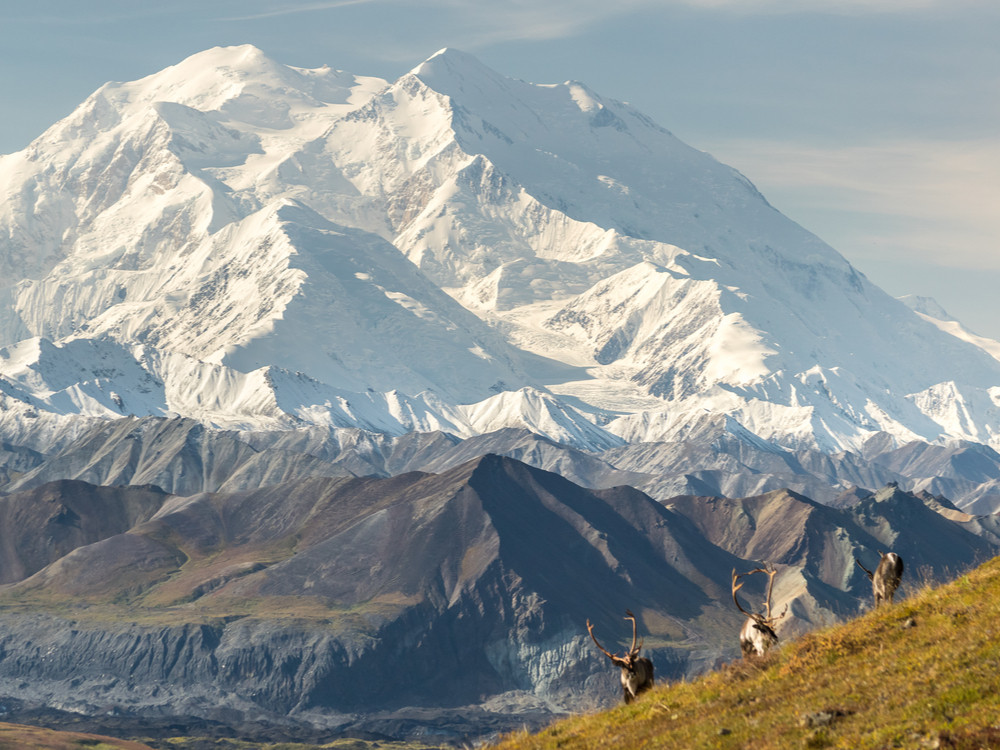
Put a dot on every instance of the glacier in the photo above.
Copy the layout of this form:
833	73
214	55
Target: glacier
262	247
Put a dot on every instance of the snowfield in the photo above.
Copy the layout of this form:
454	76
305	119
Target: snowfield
257	246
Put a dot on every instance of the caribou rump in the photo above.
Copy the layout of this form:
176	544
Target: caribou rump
885	579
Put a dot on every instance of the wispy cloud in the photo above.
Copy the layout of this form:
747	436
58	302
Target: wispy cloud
511	19
480	24
506	20
560	16
223	10
933	200
832	6
291	9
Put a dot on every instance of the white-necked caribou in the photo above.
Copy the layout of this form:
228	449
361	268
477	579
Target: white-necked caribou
757	634
636	673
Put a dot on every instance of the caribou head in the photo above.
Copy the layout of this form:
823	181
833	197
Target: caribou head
636	673
885	579
757	634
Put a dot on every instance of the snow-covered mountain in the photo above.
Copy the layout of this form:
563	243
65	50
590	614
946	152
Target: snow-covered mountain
258	246
929	309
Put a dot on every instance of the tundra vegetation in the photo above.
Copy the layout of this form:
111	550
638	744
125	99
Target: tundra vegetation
923	673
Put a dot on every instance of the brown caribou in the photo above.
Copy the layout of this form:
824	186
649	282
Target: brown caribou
636	673
885	579
757	634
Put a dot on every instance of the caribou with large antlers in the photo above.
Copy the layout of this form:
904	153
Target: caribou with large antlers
757	634
885	579
637	674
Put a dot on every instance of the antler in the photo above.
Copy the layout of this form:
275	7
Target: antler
632	649
590	629
771	571
770	585
737	587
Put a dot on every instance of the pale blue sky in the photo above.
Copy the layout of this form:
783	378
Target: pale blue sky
873	123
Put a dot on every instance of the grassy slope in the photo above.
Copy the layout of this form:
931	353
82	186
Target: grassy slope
923	673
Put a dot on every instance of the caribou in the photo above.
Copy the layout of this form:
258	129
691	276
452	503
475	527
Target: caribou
757	634
636	674
885	579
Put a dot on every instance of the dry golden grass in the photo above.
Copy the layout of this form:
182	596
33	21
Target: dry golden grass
923	673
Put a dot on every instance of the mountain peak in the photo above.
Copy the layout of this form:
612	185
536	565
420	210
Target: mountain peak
927	306
615	280
450	59
238	56
461	76
246	85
